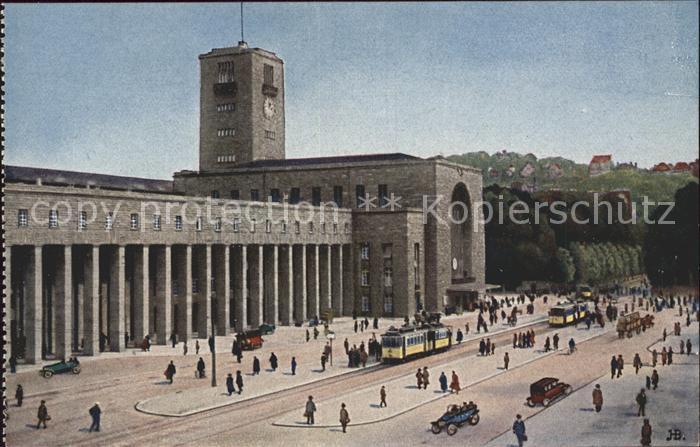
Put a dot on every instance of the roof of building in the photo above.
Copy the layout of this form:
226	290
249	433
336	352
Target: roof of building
25	174
681	166
661	167
601	158
290	162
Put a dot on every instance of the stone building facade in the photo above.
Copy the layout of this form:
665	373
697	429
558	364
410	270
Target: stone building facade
97	262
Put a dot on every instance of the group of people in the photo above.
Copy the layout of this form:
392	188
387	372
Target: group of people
486	347
524	339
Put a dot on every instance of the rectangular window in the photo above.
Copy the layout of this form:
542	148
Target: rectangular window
178	223
226	107
364	252
198	223
109	221
156	222
225	132
316	196
23	218
225	72
252	225
134	221
364	277
383	193
268	74
365	303
338	196
195	285
275	195
226	159
284	226
270	135
323	228
386	251
235	194
82	221
311	227
53	218
297	227
388	303
359	195
268	226
335	228
254	195
236	224
347	227
176	288
217	225
388	274
215	194
294	196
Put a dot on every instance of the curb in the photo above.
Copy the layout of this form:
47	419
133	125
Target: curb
434	399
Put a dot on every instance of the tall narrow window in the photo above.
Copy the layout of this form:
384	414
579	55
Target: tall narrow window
269	75
235	194
254	195
82	221
217	225
359	195
284	226
364	277
225	72
383	193
109	221
53	218
316	196
215	194
297	227
134	221
178	223
275	195
198	224
252	225
23	218
364	252
311	227
236	224
338	196
268	226
156	222
294	196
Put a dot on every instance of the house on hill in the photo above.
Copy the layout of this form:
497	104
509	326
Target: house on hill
600	164
553	170
681	166
661	168
527	170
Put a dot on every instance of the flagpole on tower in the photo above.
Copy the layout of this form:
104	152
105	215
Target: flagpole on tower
242	38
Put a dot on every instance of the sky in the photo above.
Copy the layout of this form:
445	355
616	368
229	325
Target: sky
114	88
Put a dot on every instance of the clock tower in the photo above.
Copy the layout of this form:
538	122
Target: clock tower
241	107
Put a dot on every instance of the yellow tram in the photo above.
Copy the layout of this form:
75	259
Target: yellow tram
566	312
408	342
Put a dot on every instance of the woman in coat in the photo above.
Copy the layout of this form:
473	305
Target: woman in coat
454	385
443	382
256	366
419	379
239	381
229	384
646	433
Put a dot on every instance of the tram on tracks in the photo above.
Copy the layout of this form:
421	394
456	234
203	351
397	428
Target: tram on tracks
409	342
568	312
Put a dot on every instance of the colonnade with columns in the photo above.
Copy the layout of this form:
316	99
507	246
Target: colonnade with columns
67	299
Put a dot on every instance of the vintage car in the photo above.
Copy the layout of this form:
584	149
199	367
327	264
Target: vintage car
546	390
455	417
250	340
60	368
267	328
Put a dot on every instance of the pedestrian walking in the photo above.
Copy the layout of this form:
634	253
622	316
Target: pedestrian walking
460	336
323	362
13	364
273	362
375	323
239	381
42	414
184	348
95	414
555	340
637	363
363	357
466	328
646	433
488	346
256	366
597	398
200	368
443	382
620	365
682	347
173	339
19	395
294	366
664	356
309	410
670	356
170	372
546	344
346	343
454	384
688	347
382	397
647	383
493	348
654	379
664	335
355	326
519	430
572	346
196	347
654	358
506	360
344	417
315	333
641	402
419	379
229	384
482	347
308	336
613	367
515	340
426	378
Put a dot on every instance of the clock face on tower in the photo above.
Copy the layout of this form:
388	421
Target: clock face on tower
269	108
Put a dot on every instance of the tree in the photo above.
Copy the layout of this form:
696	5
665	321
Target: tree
566	266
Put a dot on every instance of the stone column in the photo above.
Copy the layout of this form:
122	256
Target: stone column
164	294
324	269
141	293
286	286
255	260
79	305
221	261
299	273
116	299
203	260
312	279
240	286
348	277
64	302
7	300
337	279
91	289
183	267
271	285
33	306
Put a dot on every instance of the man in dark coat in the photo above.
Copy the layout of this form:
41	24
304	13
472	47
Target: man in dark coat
482	347
294	366
13	363
95	413
641	402
239	381
273	362
613	367
555	340
646	433
620	365
229	384
256	366
637	363
19	395
443	382
173	339
200	368
654	379
519	430
42	414
170	371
